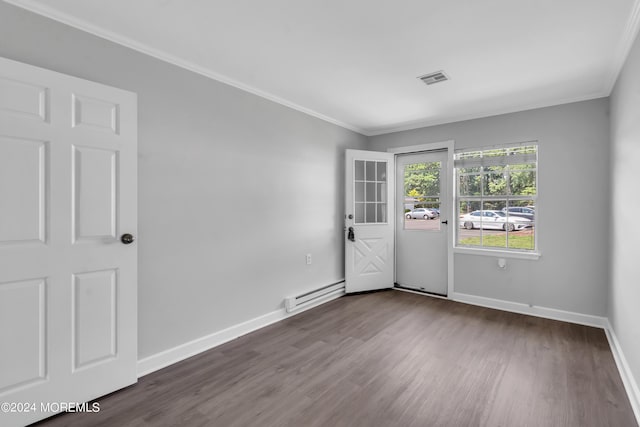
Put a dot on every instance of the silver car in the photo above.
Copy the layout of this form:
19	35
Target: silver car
420	213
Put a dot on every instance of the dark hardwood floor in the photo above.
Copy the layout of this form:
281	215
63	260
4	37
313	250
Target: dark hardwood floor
385	359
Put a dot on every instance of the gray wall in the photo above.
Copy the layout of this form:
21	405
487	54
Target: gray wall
624	293
234	190
573	205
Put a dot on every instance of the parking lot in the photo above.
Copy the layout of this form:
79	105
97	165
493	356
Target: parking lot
434	225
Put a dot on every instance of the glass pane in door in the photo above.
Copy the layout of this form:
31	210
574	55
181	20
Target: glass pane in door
370	191
422	196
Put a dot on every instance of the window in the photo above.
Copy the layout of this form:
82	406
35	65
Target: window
496	197
370	192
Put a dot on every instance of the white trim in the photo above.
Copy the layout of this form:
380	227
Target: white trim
624	47
532	310
51	13
497	253
628	380
183	351
426	294
418	124
449	145
630	384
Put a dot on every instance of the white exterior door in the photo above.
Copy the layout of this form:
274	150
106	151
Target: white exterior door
422	214
369	220
68	283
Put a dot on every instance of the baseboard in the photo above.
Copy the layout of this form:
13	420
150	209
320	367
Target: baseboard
547	313
630	384
184	351
426	294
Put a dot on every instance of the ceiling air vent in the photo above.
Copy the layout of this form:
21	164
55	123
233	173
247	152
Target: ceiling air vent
431	78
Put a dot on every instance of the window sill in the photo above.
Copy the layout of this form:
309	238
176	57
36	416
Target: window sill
497	253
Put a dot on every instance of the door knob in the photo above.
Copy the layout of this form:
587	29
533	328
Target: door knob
127	239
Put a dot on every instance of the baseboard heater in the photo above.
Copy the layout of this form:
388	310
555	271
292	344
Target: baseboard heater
313	297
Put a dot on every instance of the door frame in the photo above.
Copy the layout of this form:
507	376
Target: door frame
438	146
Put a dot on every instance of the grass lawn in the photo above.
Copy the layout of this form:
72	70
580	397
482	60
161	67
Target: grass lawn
517	240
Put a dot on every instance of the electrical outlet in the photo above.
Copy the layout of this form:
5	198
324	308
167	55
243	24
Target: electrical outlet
308	259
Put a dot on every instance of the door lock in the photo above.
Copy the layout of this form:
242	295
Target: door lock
351	235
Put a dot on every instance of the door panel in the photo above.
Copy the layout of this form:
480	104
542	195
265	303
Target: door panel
23	99
369	243
94	192
421	243
22	206
24	303
94	317
68	286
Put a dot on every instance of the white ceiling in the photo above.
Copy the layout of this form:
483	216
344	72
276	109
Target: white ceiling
355	62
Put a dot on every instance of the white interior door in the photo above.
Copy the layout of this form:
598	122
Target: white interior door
369	241
68	284
421	238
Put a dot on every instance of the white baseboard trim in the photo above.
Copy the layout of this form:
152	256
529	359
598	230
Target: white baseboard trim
547	313
169	357
184	351
630	384
426	294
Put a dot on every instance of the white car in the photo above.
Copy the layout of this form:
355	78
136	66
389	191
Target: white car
496	220
420	213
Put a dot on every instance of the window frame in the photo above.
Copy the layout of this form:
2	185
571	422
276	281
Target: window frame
477	158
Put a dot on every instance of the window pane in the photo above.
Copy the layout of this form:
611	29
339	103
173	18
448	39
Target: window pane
523	182
381	171
359	170
359	213
468	206
469	233
422	179
381	214
494	183
370	193
370	171
470	185
381	192
370	212
523	239
521	209
359	188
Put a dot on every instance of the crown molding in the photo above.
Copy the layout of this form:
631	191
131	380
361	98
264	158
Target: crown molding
453	119
624	47
629	35
49	12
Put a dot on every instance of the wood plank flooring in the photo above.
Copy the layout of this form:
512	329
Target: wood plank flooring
385	359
